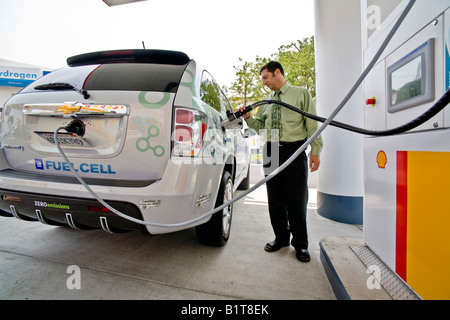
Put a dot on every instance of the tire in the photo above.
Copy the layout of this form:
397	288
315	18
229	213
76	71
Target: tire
216	231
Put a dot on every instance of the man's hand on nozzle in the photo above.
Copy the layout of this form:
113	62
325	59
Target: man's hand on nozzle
245	115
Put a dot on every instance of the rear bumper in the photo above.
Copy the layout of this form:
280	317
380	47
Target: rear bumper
185	192
81	214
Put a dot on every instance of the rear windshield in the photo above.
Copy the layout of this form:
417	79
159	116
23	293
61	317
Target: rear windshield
117	76
135	76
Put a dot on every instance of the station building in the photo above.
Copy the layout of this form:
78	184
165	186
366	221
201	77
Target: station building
14	76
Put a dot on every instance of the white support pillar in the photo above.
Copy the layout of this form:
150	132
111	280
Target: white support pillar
338	65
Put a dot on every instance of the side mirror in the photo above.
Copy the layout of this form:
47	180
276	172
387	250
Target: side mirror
249	133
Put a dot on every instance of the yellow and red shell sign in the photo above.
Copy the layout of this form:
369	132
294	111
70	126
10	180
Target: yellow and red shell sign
423	222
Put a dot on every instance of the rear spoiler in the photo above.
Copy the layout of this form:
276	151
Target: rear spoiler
130	56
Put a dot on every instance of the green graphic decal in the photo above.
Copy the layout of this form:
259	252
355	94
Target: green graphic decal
190	85
142	123
213	155
153	105
143	144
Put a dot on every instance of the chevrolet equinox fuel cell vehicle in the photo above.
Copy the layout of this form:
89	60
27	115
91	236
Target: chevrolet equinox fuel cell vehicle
143	129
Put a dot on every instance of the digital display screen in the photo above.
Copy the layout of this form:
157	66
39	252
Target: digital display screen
410	80
407	81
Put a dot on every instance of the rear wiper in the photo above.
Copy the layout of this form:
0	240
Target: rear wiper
62	86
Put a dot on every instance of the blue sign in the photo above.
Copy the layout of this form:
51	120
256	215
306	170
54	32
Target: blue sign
83	167
447	64
447	49
17	76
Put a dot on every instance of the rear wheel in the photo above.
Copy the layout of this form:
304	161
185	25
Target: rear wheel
217	230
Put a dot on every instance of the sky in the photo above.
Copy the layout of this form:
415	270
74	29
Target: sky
215	33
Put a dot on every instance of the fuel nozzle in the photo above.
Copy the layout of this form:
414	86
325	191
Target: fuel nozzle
231	117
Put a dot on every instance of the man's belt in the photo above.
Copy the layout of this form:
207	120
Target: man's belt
293	143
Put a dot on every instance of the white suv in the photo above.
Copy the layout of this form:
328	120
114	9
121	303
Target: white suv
144	131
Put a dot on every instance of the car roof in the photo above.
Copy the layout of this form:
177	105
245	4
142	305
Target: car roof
130	56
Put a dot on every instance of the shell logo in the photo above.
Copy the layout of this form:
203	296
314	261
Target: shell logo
381	159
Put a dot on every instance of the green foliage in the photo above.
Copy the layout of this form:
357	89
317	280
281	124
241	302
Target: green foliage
298	62
210	94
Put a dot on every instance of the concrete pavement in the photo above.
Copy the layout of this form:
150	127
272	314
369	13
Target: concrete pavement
38	261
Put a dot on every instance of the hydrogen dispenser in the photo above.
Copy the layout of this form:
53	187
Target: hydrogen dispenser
407	176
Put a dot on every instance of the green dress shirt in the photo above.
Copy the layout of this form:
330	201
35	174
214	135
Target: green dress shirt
282	124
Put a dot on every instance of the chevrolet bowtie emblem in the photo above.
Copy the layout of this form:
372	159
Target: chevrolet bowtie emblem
68	108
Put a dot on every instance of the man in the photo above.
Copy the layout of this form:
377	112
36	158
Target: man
286	132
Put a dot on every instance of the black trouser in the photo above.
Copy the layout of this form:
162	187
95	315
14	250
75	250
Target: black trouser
287	193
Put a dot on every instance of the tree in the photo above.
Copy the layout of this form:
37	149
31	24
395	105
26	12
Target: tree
298	62
247	88
242	86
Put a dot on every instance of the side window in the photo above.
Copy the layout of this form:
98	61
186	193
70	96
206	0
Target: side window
225	104
211	94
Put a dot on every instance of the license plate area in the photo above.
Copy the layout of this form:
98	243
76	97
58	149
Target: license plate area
68	139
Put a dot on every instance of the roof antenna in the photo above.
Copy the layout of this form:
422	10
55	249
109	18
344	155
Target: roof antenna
143	44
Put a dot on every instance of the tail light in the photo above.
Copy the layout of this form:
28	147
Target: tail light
189	129
98	209
10	198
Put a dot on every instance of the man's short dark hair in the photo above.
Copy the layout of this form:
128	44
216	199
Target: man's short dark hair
272	66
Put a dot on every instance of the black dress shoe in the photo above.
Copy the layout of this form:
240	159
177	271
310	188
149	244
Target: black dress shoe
303	255
274	246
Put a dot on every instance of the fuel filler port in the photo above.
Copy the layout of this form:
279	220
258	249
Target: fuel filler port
76	126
